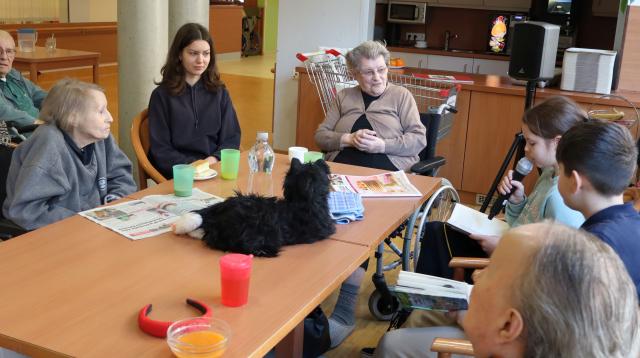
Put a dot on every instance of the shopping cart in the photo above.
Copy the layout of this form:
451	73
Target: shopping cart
436	103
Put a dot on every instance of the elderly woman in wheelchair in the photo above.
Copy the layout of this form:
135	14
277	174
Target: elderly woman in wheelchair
71	163
375	124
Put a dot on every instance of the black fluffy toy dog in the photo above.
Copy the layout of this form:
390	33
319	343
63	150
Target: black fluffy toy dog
253	224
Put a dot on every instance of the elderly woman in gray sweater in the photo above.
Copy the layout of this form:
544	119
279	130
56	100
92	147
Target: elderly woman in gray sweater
71	163
375	124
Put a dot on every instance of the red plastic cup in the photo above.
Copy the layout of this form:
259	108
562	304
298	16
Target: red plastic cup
235	272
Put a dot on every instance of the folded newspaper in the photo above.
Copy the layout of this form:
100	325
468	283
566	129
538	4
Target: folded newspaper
391	184
150	216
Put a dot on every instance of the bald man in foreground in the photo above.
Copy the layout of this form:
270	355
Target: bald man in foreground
553	291
20	99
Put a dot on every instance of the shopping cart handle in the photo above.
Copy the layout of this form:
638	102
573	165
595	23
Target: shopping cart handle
336	53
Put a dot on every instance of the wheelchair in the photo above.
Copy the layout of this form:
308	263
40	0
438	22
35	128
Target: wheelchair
382	303
10	136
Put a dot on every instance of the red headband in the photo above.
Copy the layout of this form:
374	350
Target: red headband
159	328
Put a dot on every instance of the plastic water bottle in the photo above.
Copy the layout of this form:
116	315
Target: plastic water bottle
261	155
261	159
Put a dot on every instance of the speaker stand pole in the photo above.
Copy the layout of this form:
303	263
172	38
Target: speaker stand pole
517	147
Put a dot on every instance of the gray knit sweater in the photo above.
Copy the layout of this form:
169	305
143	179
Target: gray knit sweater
47	181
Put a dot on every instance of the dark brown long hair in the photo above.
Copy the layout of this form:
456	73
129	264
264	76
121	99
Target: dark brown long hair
173	74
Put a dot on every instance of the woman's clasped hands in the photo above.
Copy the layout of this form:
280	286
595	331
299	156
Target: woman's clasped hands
365	140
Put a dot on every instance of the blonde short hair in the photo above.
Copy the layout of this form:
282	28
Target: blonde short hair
66	102
370	50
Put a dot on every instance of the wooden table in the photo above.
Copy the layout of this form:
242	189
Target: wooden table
74	288
382	215
41	59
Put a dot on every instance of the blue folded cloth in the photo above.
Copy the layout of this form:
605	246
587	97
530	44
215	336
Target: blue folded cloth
345	207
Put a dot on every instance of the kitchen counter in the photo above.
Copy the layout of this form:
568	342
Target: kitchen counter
454	53
503	85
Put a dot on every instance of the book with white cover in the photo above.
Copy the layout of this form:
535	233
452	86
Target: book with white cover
472	221
431	292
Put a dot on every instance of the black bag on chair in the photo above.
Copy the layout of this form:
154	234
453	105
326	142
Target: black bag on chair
316	334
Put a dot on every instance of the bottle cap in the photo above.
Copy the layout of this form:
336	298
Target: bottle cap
262	136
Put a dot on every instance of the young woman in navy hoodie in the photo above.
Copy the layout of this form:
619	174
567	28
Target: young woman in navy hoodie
191	116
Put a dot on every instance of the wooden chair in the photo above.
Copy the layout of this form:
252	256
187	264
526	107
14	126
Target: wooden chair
140	141
459	264
445	347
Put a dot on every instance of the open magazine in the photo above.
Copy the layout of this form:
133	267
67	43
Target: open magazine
382	185
150	216
427	292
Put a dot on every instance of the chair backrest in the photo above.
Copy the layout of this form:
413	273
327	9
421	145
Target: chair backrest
431	121
140	141
5	161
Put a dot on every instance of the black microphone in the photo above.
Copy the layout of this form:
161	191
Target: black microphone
523	168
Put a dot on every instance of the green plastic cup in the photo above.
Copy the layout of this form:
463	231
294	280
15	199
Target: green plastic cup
183	179
310	157
230	159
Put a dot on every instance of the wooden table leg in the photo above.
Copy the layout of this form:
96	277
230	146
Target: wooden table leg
33	72
291	345
96	72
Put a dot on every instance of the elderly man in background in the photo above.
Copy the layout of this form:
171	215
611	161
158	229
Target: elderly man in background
20	99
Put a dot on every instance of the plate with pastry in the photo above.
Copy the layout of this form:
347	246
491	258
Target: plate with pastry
202	170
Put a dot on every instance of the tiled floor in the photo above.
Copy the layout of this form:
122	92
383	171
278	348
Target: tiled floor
252	66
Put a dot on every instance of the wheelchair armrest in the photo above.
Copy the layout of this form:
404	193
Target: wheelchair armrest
429	165
9	230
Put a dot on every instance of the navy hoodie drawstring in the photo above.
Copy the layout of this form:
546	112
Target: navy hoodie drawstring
193	103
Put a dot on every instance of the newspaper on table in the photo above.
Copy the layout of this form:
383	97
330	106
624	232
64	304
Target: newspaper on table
149	216
390	184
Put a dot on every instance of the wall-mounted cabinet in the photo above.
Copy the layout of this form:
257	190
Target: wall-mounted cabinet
515	5
449	63
504	5
457	3
605	7
454	64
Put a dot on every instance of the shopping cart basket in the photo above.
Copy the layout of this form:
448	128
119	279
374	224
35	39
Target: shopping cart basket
436	103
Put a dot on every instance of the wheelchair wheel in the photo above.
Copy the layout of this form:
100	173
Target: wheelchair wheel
380	309
437	208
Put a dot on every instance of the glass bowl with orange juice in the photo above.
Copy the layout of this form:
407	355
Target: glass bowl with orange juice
198	337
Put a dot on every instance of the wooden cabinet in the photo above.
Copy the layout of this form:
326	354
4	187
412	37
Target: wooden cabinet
490	67
457	3
512	5
450	63
310	113
494	119
608	8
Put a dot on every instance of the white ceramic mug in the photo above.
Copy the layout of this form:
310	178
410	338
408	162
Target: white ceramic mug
297	152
